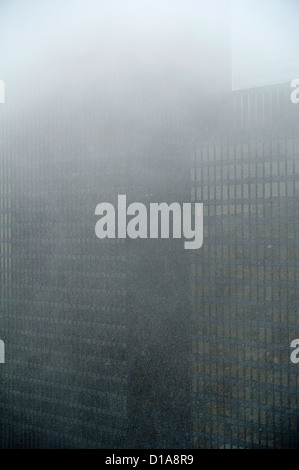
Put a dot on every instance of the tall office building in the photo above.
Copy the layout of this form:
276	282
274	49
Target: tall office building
158	305
97	331
245	279
63	316
5	234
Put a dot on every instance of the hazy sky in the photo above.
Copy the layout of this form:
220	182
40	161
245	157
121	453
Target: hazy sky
152	50
264	42
173	48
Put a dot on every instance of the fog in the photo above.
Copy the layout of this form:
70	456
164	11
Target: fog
129	55
102	98
264	49
108	98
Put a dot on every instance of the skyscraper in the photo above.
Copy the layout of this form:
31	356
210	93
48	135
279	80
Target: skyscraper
5	235
63	294
158	306
97	331
245	279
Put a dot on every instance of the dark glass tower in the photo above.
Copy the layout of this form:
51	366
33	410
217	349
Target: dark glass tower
97	331
63	294
245	279
158	306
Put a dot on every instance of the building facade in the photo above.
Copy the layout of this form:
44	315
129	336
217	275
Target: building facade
97	331
63	316
245	279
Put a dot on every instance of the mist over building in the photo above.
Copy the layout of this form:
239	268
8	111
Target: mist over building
139	343
245	279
